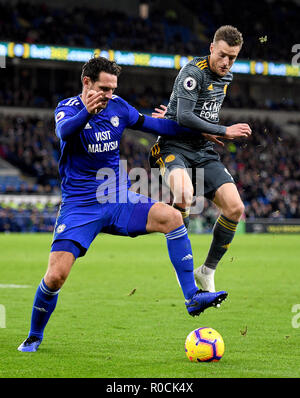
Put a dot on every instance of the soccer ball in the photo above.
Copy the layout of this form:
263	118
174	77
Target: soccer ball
204	345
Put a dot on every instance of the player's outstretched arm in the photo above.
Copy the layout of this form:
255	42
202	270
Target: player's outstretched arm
187	118
167	127
163	127
161	111
231	132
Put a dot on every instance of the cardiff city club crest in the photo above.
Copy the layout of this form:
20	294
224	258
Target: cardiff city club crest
60	228
114	121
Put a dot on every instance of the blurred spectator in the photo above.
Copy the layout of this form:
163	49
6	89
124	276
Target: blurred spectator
30	144
80	26
257	21
27	217
163	32
21	91
266	168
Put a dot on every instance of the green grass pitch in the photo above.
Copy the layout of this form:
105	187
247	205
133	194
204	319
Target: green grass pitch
121	313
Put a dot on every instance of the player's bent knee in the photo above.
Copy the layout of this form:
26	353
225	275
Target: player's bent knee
55	280
59	267
235	212
163	218
239	210
174	221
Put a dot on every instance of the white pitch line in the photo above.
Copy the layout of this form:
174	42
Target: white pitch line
12	286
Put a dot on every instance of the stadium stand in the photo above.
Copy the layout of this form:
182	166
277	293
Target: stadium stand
250	17
165	31
266	169
29	91
259	167
36	217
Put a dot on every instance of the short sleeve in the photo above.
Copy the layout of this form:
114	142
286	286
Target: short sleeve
62	113
189	82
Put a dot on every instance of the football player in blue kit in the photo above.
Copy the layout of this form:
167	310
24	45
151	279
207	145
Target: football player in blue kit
90	128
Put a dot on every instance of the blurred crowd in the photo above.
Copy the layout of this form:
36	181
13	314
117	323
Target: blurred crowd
165	30
95	28
24	217
29	143
259	23
32	88
266	168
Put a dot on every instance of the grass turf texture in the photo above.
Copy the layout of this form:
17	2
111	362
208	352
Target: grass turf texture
102	327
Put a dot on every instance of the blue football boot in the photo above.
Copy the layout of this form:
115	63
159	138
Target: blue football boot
31	344
203	299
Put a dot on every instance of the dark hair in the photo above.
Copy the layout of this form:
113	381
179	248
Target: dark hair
230	35
95	65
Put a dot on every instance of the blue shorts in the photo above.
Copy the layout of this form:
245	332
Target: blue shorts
81	223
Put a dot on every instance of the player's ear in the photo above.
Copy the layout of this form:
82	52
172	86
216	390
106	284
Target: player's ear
211	48
86	82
